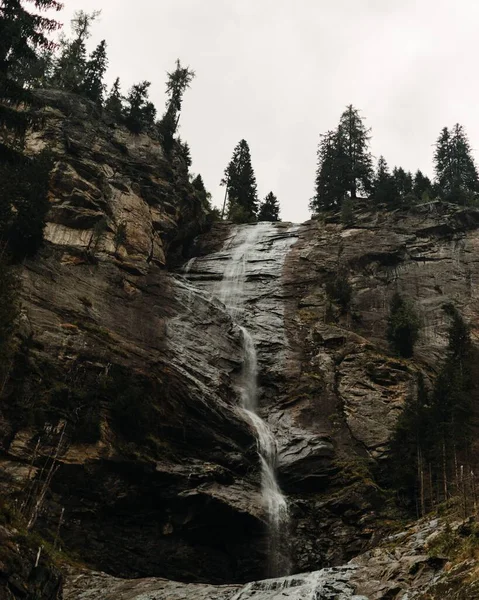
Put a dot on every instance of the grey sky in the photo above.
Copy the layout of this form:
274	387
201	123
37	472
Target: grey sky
279	72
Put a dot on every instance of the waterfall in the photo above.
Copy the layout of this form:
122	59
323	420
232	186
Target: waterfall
231	293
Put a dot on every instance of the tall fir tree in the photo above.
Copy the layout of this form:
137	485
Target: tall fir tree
92	85
178	81
402	326
422	186
269	208
114	101
70	67
355	161
23	36
385	191
329	187
456	172
403	181
240	181
139	112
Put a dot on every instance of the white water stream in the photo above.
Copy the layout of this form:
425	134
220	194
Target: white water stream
231	293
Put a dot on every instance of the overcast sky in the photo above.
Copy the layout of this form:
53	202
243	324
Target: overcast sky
279	72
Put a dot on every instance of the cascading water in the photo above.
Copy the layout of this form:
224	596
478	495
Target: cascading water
231	293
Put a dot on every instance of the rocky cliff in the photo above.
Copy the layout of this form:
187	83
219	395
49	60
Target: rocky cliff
122	443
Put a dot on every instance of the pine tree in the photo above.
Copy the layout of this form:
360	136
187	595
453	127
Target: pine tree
456	172
200	191
23	35
114	101
139	112
177	83
403	181
199	185
241	185
24	203
269	209
69	71
421	186
329	188
410	448
8	310
384	185
185	152
92	86
402	326
355	161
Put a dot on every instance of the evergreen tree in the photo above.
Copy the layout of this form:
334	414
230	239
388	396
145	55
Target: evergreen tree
199	186
241	184
8	310
410	447
185	152
24	203
402	326
456	171
200	191
92	86
139	112
329	188
403	181
70	68
114	101
421	186
437	428
23	35
355	161
385	191
269	209
177	83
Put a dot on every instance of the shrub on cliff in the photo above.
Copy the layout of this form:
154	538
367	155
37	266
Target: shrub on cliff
403	326
339	290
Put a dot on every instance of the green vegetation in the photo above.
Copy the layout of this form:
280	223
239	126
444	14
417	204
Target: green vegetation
344	163
431	446
177	83
403	326
456	173
344	172
269	209
8	313
240	182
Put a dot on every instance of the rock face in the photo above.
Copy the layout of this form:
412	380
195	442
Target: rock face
121	436
405	567
121	407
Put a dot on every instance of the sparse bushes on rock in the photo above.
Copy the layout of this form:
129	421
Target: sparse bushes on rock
340	291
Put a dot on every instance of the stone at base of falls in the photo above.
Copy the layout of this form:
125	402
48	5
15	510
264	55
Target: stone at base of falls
404	568
327	584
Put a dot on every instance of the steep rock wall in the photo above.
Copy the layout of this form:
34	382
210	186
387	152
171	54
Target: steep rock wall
126	375
123	385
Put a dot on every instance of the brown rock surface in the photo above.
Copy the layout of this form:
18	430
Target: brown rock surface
125	384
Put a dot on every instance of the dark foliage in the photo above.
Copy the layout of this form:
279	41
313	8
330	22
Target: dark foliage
339	290
240	181
139	113
269	209
403	326
24	203
456	172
